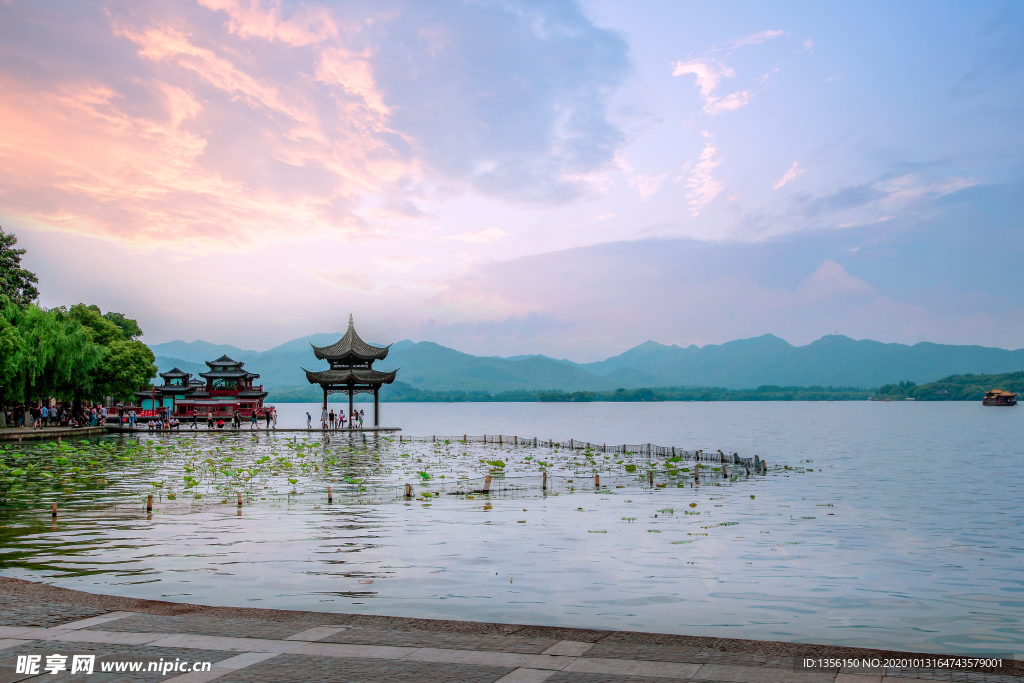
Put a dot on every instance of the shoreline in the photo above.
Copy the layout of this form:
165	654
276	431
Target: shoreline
637	649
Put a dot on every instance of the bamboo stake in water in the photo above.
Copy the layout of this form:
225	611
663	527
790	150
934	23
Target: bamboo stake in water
544	482
487	484
408	490
597	481
53	510
239	494
330	496
650	478
149	503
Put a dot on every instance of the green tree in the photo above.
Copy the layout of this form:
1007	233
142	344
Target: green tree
127	365
129	327
16	283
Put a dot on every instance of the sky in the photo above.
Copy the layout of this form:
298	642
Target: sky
512	177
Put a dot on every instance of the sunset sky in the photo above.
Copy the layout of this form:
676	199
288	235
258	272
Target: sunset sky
521	177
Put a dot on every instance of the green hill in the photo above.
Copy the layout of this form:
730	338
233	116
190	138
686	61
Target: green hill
955	388
833	360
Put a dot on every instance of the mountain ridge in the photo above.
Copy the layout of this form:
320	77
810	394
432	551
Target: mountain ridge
833	360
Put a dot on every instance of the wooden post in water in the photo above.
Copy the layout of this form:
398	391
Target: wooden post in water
408	490
487	484
517	440
53	510
149	503
239	494
725	470
499	439
330	495
748	469
597	481
544	482
572	445
650	478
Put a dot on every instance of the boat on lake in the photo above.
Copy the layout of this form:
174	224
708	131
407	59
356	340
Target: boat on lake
999	397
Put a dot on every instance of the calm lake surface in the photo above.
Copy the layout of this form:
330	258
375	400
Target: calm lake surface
908	534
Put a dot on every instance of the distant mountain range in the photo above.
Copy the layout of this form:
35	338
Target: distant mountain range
833	360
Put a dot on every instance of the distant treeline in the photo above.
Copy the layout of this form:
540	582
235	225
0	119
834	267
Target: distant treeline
402	392
955	387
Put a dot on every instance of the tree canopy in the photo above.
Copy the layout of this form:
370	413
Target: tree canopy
71	354
16	283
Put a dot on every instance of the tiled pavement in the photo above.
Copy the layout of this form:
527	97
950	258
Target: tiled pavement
274	646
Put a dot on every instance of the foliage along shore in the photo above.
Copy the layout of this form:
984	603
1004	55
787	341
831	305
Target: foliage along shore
71	354
400	392
952	388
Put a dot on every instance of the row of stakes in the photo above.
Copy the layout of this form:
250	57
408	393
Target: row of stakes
761	465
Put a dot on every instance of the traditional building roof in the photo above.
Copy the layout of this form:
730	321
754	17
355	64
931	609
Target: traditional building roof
224	362
229	373
350	347
354	375
175	374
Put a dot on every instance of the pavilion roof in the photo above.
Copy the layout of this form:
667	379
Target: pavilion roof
230	373
354	375
224	362
176	373
351	345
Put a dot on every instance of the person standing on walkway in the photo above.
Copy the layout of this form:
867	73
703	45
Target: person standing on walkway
44	414
323	419
266	415
330	418
309	420
255	424
195	420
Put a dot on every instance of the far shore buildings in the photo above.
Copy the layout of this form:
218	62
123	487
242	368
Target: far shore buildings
351	370
227	389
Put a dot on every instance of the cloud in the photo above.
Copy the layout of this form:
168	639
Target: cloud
478	236
703	187
830	280
808	44
753	39
792	173
229	122
647	185
709	73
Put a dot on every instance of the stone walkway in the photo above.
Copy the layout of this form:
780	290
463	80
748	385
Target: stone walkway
241	645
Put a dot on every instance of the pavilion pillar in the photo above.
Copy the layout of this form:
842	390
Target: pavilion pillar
325	399
351	422
376	406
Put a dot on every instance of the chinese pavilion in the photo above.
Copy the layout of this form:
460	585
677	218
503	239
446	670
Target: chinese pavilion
228	389
351	370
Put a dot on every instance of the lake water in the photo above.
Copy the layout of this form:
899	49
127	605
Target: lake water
908	534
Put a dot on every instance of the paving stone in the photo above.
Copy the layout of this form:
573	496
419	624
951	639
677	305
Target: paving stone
626	667
230	644
522	675
294	668
204	626
751	674
510	660
18	611
669	653
581	677
568	648
104	653
451	641
353	651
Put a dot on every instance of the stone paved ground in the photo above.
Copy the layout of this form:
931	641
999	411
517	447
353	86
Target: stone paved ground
241	645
